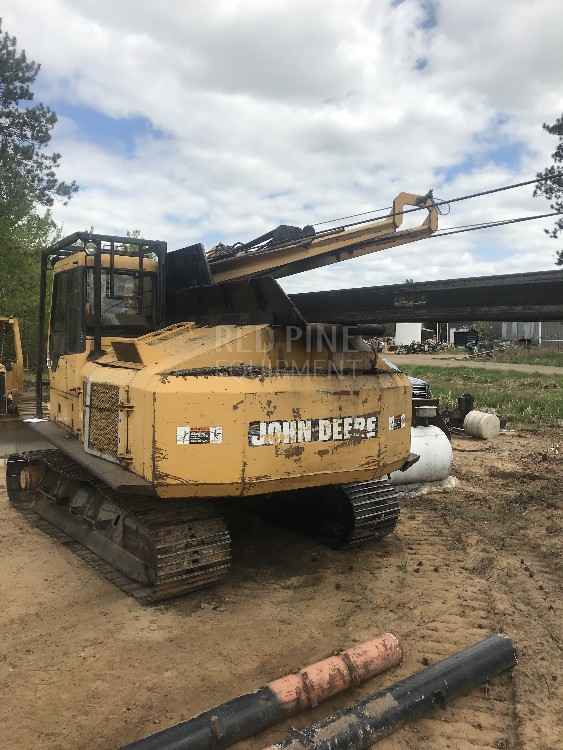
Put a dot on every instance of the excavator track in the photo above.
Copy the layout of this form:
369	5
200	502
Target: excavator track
150	549
340	516
360	513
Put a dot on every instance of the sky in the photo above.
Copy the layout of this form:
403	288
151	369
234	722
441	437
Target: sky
200	122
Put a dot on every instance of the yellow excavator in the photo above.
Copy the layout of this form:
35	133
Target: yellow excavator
182	380
11	365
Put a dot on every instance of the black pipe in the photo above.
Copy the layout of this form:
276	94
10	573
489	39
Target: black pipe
41	338
220	727
362	725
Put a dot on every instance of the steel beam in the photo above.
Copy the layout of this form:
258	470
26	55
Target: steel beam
512	297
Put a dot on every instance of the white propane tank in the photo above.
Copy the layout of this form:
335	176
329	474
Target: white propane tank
436	455
481	424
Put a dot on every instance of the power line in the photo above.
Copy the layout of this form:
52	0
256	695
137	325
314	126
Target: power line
352	216
489	224
436	203
440	233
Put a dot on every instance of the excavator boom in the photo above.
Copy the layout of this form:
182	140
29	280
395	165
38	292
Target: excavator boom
330	246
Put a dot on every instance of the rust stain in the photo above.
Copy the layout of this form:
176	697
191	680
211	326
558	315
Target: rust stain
294	451
238	403
341	393
159	453
354	440
163	479
154	468
270	408
243	480
342	444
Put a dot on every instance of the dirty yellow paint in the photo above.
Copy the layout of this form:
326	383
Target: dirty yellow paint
189	379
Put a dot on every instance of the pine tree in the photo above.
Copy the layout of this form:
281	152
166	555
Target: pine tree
28	186
551	186
27	170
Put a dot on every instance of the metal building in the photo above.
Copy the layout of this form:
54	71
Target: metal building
546	332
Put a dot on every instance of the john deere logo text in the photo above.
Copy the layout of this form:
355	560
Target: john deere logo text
312	430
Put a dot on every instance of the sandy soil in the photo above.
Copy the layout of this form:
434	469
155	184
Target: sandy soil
459	360
84	666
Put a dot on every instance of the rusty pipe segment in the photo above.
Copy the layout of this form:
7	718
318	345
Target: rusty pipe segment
363	724
247	715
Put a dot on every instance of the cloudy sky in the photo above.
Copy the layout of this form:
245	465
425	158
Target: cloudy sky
196	121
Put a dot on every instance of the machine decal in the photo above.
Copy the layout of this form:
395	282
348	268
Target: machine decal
312	430
188	435
397	422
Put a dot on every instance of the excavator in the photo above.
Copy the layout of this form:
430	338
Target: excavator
182	381
11	365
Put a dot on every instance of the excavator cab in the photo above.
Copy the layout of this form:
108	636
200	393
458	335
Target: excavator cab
105	288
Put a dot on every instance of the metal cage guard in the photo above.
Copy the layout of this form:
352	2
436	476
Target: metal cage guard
66	247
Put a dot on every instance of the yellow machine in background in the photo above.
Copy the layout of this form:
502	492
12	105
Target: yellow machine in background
11	365
179	379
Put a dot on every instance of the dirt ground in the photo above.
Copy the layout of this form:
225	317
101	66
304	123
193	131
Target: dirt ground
84	666
460	360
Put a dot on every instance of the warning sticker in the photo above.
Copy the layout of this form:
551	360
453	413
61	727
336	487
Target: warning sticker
191	435
397	422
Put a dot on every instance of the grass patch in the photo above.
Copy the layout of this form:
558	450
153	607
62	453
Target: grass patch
517	355
530	357
525	398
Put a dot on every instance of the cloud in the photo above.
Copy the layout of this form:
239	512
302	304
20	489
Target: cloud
200	123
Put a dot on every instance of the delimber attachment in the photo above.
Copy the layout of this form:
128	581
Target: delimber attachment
247	715
379	714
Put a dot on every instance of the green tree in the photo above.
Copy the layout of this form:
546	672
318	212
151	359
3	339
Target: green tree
28	186
551	186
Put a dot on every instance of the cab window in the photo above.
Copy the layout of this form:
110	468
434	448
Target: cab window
122	306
